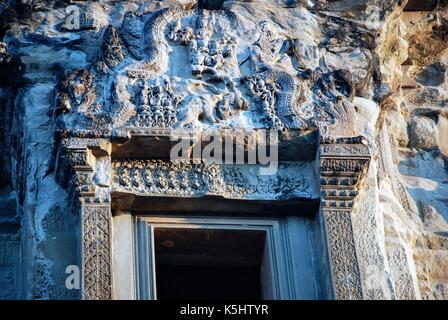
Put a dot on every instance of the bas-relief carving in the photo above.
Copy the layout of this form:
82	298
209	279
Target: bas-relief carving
182	69
197	179
342	251
177	68
76	170
96	252
343	166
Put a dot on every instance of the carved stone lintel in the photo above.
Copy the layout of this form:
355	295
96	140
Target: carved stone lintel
344	163
293	180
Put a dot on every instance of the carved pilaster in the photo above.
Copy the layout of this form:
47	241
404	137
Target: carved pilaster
76	171
344	163
96	252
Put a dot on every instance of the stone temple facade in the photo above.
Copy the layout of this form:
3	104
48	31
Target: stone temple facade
94	94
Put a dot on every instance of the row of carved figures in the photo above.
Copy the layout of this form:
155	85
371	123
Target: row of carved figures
207	55
266	92
156	102
198	178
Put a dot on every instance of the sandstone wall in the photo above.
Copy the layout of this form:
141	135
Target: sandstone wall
382	76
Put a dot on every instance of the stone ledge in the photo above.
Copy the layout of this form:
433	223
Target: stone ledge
211	205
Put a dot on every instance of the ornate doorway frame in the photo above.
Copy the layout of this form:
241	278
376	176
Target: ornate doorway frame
280	264
343	164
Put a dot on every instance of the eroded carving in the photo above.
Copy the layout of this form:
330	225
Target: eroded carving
76	92
346	278
175	54
96	244
197	179
343	166
178	68
113	50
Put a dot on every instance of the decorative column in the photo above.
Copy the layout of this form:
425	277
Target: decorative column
78	163
344	162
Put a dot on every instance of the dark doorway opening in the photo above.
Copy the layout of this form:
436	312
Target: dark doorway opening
208	283
208	264
211	4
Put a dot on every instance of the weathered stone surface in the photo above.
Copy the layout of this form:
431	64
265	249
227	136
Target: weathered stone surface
423	133
131	72
398	129
442	131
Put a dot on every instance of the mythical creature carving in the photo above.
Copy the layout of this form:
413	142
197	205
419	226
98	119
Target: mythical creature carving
148	86
154	31
196	109
76	92
113	50
278	93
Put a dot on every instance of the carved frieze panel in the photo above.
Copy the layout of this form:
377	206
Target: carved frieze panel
196	69
197	179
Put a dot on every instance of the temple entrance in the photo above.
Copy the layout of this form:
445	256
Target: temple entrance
174	257
208	263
